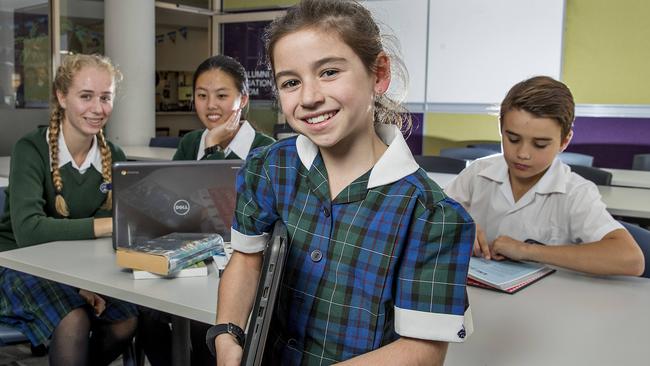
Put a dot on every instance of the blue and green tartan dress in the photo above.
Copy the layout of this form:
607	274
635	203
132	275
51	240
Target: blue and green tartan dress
387	257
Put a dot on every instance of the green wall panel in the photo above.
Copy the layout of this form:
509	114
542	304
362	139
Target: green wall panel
607	51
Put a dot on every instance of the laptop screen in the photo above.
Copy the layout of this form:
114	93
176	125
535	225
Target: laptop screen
155	198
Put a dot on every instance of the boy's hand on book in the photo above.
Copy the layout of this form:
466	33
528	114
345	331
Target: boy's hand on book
506	247
481	246
94	300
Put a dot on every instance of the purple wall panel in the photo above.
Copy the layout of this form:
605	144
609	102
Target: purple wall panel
612	141
414	141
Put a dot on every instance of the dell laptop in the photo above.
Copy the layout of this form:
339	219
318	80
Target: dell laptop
155	198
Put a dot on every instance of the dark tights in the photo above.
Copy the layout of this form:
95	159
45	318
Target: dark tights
72	346
155	337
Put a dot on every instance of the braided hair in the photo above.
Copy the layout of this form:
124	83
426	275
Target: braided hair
65	73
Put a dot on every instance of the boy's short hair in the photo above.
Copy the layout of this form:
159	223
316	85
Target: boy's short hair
543	97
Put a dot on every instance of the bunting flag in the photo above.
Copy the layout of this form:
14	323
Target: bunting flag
172	36
160	38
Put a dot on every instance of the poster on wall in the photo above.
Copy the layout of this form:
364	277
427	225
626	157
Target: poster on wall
243	41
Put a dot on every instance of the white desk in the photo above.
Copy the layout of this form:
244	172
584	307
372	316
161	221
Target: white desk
624	201
5	163
90	264
564	319
629	178
148	153
4	182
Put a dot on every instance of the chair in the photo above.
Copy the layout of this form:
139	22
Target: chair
10	336
466	153
571	158
641	162
642	237
440	164
496	146
598	176
165	141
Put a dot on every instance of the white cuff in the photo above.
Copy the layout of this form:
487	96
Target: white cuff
433	326
248	243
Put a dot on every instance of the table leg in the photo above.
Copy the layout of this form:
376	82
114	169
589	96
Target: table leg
180	341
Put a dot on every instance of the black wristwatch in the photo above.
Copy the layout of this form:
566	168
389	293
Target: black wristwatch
212	149
230	328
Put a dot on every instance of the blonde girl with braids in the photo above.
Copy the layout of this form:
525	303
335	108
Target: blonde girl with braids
60	189
378	255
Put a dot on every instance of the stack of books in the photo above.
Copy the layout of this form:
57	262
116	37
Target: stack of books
505	276
169	254
198	269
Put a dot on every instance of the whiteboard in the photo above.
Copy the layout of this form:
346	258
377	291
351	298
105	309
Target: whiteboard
479	48
406	20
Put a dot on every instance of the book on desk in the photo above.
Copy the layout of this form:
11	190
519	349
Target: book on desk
198	269
505	276
169	253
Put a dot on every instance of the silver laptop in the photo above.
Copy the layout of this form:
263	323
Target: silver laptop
155	198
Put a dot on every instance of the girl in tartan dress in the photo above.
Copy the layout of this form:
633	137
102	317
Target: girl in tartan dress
60	189
377	254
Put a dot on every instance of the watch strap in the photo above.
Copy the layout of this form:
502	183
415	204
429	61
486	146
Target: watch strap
230	328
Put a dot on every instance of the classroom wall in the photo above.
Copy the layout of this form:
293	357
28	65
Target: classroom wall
607	51
605	61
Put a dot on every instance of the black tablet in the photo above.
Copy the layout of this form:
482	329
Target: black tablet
267	292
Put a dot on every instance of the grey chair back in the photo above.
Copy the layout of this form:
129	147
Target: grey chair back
440	164
641	162
571	158
598	176
165	141
496	146
466	153
10	336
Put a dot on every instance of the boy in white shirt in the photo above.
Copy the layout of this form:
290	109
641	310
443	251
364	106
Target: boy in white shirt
526	195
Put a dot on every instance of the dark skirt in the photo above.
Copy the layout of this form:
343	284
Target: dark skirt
35	306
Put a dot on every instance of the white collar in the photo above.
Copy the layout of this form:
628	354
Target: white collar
395	163
93	158
554	180
240	144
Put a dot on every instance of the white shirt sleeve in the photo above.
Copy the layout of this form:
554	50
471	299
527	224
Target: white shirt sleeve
589	220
